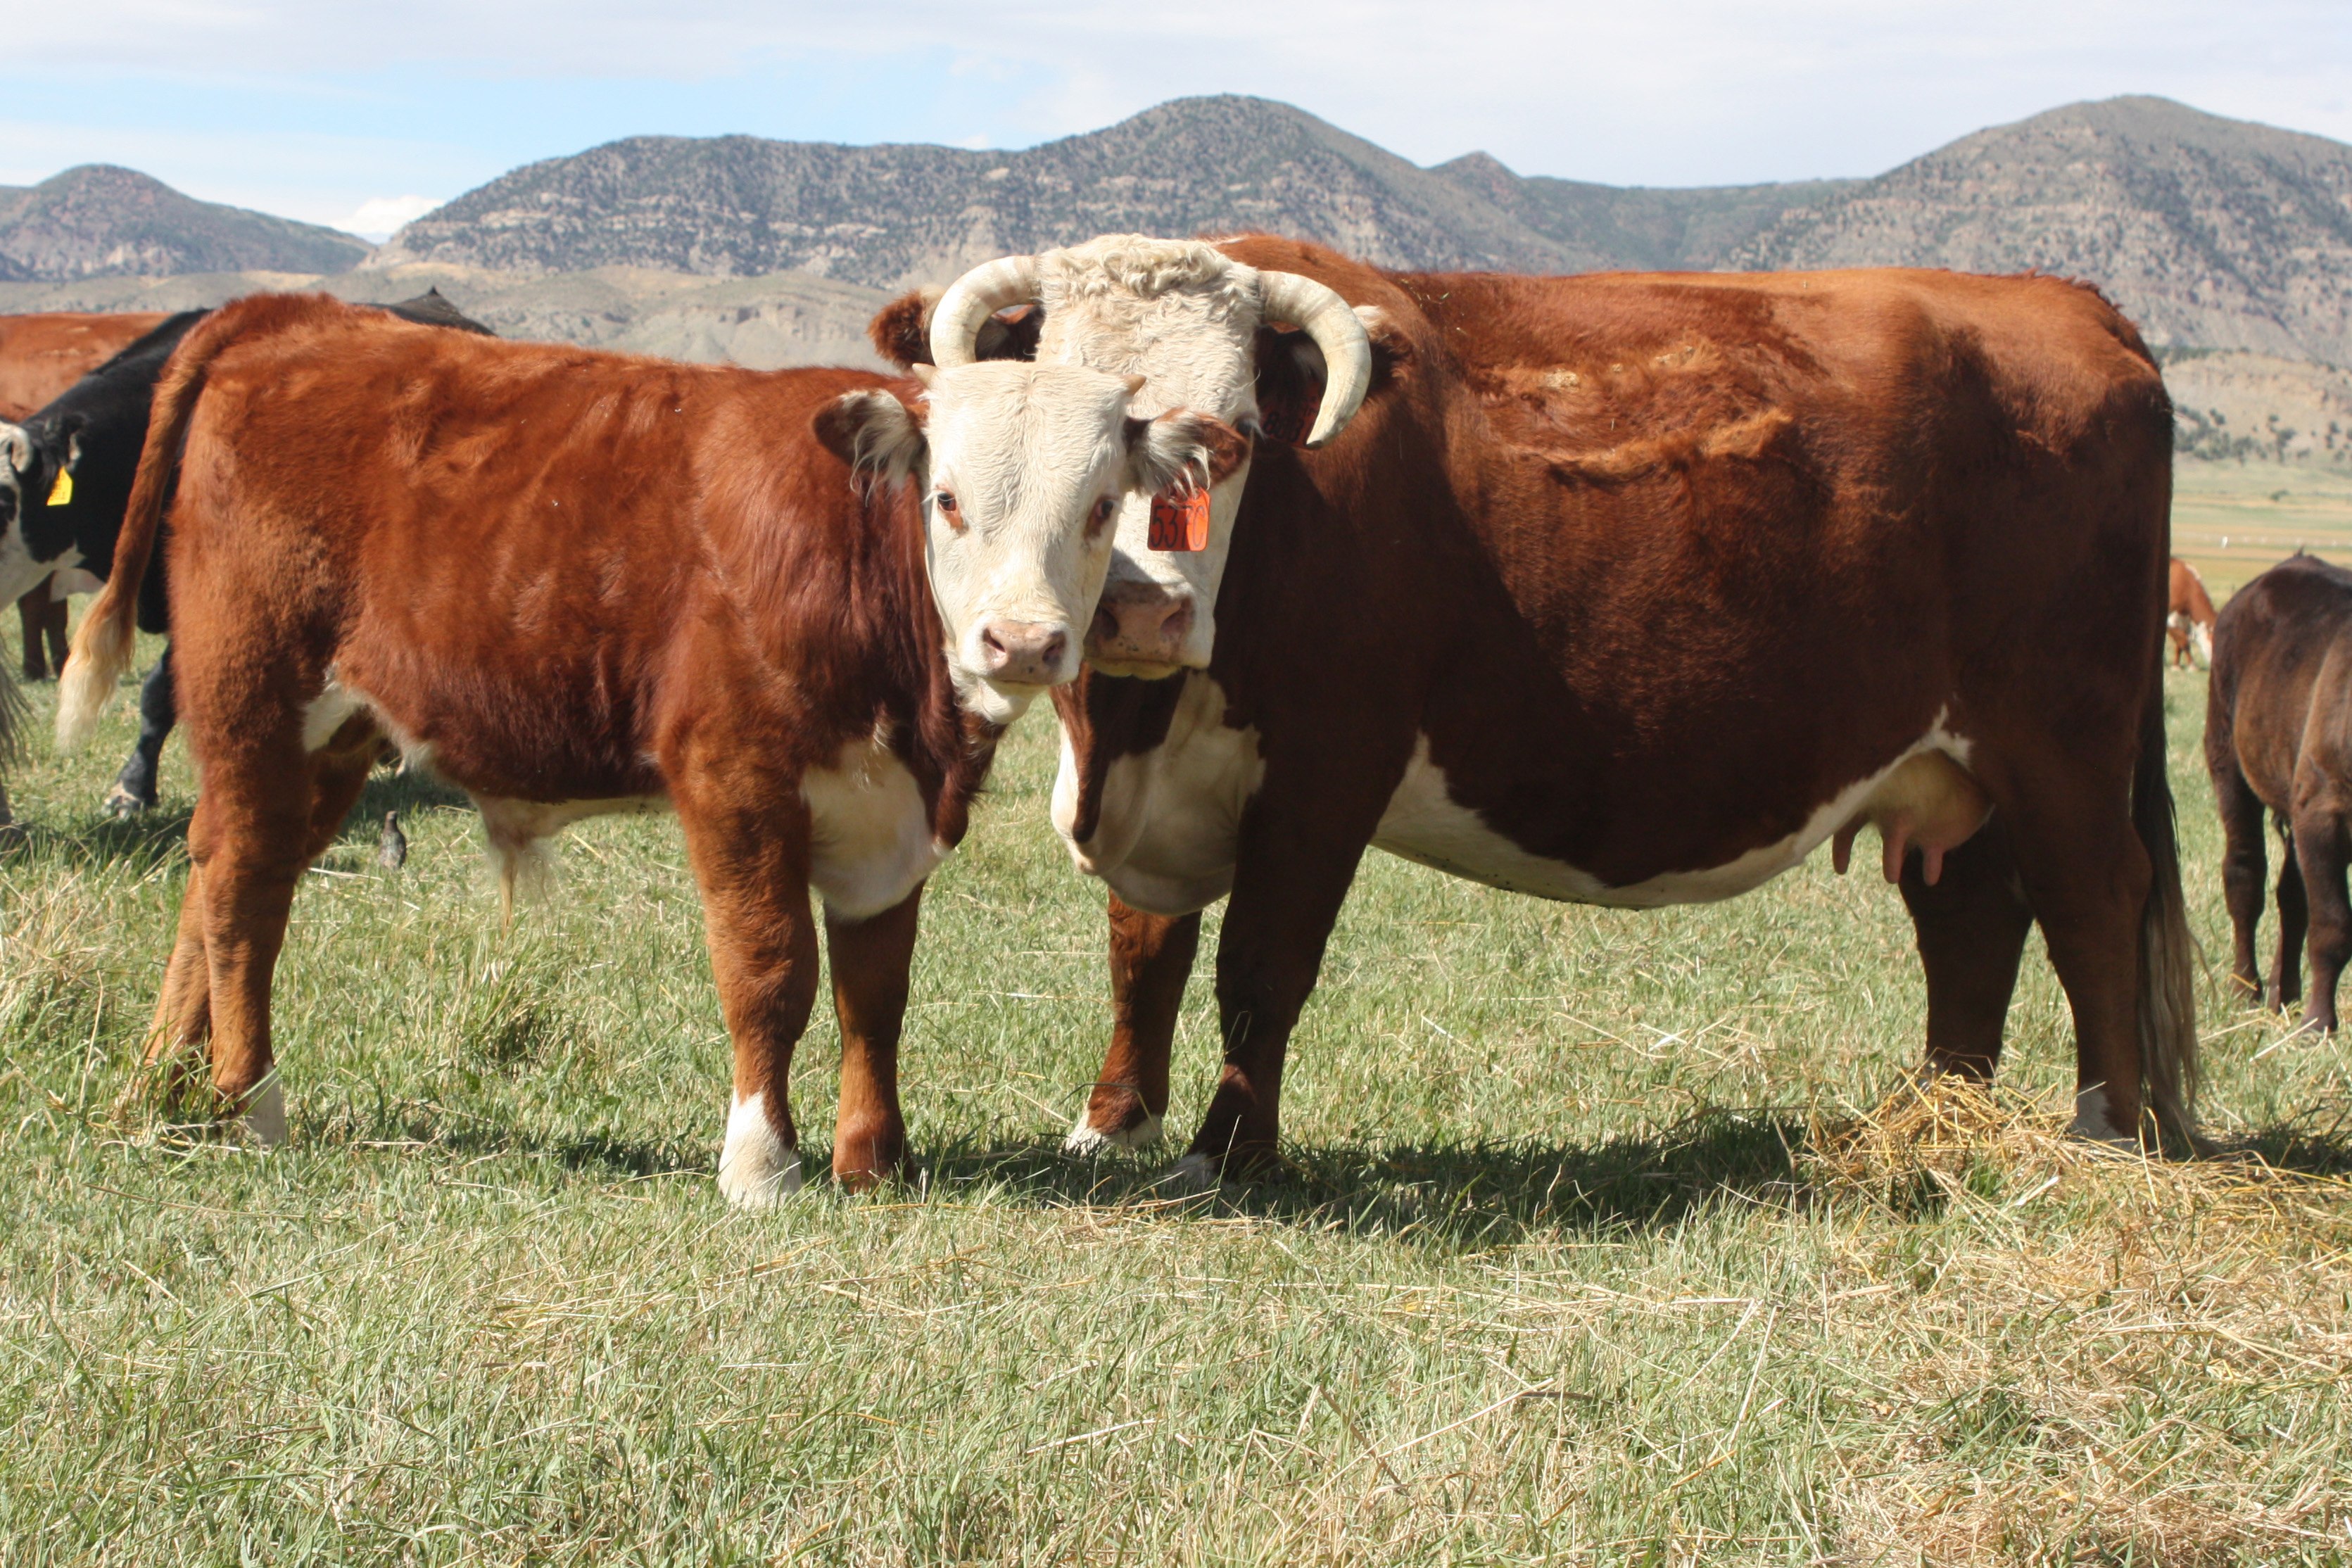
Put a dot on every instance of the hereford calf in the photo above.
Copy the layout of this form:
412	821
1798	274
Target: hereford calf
573	583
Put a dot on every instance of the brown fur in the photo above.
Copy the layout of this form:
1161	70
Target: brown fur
687	596
2189	605
2278	738
1658	564
43	354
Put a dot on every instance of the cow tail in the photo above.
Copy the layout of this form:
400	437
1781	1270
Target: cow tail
103	644
2167	1004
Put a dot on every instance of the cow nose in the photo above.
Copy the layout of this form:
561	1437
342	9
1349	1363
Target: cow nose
1139	622
1023	653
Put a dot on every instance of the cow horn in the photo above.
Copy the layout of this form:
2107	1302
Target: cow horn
979	294
1320	312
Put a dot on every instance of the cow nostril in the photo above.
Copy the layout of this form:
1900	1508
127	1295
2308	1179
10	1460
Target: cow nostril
991	642
1050	653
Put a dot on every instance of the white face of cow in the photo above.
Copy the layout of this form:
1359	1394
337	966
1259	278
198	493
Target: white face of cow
1184	318
19	573
1021	468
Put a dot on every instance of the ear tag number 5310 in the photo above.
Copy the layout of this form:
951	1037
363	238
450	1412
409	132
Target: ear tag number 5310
1181	522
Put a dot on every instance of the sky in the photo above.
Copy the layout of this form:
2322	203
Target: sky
364	116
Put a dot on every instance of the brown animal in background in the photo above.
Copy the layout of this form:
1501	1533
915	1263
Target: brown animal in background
1634	590
574	584
2189	617
40	356
2278	738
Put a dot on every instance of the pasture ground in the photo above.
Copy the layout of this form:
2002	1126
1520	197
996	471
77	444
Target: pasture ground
2234	520
1611	1238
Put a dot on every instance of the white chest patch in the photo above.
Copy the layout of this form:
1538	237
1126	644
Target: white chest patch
1170	816
1424	823
19	573
870	838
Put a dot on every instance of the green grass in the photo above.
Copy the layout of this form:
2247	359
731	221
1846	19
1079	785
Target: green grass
1605	1243
2235	521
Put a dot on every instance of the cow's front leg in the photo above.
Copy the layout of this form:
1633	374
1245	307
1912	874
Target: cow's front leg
749	843
870	961
1150	961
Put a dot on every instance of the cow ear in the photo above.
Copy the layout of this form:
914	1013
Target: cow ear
900	329
15	447
1181	450
873	432
1011	333
1290	374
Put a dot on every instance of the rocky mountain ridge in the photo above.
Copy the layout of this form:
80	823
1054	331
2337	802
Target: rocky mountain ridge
98	220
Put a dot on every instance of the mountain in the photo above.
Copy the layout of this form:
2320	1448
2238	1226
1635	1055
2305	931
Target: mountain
98	220
892	216
2211	233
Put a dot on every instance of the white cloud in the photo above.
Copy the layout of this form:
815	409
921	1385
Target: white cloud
376	217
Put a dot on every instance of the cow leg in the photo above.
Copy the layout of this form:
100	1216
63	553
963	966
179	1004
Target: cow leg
2243	871
2319	855
1150	961
751	862
55	612
170	1069
1292	875
2088	877
1971	927
870	960
270	816
32	608
2287	974
134	787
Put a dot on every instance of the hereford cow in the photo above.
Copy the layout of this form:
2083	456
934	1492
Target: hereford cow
2278	737
2189	617
574	584
1631	591
76	457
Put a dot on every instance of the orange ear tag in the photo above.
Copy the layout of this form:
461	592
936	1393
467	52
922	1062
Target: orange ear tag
1180	521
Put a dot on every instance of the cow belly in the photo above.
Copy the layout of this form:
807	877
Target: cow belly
1171	817
1424	823
871	838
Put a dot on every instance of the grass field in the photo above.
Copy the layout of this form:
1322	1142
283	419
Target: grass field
2234	520
1612	1237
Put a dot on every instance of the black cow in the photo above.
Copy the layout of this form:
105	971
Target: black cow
68	472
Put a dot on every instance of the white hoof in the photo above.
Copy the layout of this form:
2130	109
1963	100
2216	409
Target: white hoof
2091	1124
755	1169
1085	1140
263	1124
1193	1173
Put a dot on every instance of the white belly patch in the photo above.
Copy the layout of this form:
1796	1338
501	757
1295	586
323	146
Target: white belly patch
871	838
1424	824
1170	816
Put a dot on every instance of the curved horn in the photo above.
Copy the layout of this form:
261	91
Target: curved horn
979	294
1322	315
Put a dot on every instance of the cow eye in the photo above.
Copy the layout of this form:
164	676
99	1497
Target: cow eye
1102	514
945	501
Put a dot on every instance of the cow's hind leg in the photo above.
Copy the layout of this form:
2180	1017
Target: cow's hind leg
749	842
1150	961
1971	926
2294	918
2243	871
134	787
2319	854
32	615
870	960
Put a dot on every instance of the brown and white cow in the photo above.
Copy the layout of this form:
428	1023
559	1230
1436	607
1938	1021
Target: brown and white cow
573	583
1634	590
2189	617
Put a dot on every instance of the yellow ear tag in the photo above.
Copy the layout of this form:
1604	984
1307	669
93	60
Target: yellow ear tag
61	494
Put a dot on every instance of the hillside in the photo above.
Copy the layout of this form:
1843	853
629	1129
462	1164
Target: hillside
891	215
2213	233
98	220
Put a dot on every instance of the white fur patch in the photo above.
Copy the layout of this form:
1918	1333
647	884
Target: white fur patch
755	1169
871	838
1084	1139
1193	1173
512	831
1424	823
1171	817
2090	1122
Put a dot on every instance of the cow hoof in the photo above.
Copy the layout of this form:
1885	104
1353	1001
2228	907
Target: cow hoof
262	1124
1192	1175
122	803
2092	1125
756	1170
1087	1141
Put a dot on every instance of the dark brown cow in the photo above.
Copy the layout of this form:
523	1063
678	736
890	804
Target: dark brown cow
2189	617
574	584
40	356
2278	738
1634	590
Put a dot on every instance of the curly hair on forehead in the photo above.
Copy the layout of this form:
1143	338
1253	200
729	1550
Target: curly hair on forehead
1140	265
